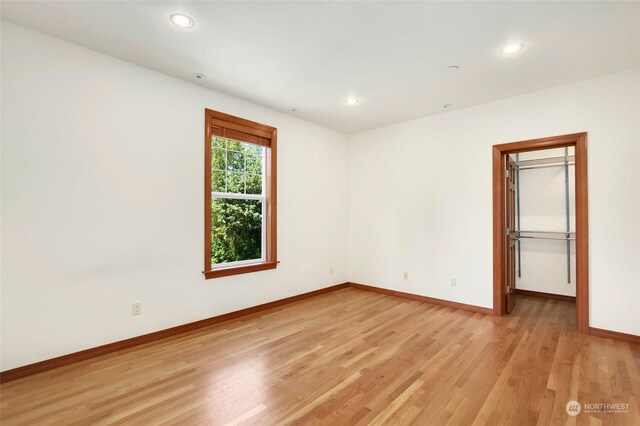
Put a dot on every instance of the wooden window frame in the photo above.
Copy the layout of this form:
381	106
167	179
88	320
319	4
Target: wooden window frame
259	134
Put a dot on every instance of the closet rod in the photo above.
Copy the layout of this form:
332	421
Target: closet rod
546	232
539	163
545	238
546	166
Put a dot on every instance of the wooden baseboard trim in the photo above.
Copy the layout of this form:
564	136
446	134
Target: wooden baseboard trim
433	301
615	335
63	360
546	295
599	332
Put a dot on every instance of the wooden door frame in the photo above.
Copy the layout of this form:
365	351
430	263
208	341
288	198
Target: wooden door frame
579	141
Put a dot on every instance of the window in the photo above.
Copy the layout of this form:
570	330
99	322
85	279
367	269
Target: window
240	196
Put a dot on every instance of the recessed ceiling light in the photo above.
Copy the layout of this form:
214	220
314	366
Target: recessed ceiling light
447	106
352	101
512	48
453	68
198	76
182	21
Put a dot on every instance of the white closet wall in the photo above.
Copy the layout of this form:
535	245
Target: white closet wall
542	208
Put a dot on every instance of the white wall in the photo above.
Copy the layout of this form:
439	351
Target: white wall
542	208
102	205
420	195
102	174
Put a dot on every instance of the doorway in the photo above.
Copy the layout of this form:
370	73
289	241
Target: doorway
505	236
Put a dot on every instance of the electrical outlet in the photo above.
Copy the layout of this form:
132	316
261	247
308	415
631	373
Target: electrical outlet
136	308
405	275
452	281
331	269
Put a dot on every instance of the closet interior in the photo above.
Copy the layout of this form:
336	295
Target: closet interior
545	222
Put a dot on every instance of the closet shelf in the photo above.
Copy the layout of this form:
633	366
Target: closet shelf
566	236
540	163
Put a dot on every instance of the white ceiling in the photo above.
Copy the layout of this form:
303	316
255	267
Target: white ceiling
392	55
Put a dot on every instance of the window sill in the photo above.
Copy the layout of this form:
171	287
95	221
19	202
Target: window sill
241	269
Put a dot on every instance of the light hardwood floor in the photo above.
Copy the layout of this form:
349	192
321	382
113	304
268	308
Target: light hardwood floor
347	357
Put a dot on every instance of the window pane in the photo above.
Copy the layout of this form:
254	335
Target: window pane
236	230
218	159
243	164
218	142
235	145
235	183
254	162
218	181
235	161
254	184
